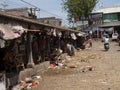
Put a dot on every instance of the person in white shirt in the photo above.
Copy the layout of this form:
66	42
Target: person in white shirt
106	40
106	43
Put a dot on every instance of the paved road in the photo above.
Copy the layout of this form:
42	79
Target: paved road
106	75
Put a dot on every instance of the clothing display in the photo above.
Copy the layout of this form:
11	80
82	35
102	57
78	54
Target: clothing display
2	43
73	36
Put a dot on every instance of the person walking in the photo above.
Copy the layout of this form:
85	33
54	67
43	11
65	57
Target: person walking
90	42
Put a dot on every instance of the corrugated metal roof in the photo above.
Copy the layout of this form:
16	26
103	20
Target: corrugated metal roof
2	13
113	9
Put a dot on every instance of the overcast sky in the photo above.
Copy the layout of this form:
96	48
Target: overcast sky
51	7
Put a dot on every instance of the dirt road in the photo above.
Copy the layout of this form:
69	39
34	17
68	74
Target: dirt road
106	75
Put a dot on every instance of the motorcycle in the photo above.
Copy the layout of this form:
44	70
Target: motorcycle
106	46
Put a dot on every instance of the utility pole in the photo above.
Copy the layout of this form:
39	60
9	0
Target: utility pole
32	11
82	18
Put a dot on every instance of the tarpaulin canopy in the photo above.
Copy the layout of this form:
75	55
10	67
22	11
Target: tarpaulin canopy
81	34
8	32
73	36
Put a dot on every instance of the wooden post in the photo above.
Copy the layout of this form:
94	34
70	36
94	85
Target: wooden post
30	56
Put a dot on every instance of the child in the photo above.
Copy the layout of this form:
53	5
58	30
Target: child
90	42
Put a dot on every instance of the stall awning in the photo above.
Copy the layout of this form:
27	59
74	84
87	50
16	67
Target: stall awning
33	30
81	34
8	32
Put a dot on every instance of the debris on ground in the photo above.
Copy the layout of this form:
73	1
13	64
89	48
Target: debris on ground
28	83
82	63
87	68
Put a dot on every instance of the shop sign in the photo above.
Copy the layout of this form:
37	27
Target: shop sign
95	18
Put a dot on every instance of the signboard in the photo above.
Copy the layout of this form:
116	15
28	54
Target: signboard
2	81
95	18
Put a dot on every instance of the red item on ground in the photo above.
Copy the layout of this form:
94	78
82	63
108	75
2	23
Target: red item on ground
53	65
34	83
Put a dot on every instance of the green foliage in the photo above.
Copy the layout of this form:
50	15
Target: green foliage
76	8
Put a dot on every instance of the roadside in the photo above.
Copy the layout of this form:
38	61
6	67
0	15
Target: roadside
90	69
105	76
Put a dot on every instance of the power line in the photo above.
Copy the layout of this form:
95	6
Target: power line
39	9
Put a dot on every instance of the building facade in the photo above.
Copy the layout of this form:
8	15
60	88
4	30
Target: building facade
51	20
111	18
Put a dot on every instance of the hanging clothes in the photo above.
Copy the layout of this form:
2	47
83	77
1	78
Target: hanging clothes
73	36
59	34
54	32
43	42
35	50
2	43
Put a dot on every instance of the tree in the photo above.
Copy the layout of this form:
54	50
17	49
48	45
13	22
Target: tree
77	8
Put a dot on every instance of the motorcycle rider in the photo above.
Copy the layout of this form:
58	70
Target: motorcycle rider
106	42
118	39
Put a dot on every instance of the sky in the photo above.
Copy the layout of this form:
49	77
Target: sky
51	8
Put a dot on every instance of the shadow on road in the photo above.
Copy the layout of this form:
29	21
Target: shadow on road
116	44
104	50
118	50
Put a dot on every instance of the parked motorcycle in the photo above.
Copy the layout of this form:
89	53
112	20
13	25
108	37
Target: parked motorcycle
106	46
